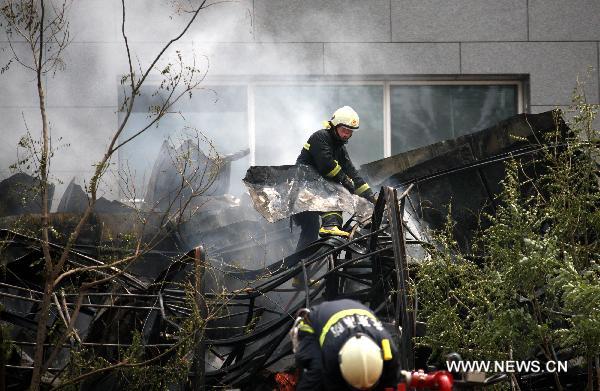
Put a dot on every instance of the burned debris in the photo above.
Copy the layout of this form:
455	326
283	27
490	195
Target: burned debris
75	200
19	194
463	176
233	266
248	332
208	175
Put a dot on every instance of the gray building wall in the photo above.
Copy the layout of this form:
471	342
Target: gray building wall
551	41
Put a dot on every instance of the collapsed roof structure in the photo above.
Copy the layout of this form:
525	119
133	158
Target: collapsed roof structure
243	262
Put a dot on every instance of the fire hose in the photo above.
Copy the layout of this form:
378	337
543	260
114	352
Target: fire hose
438	380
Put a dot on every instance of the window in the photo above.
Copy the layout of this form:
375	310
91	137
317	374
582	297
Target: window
285	116
275	118
425	114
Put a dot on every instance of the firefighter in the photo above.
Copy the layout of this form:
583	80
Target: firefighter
341	345
325	151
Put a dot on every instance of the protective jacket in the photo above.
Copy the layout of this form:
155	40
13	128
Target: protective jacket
322	335
327	153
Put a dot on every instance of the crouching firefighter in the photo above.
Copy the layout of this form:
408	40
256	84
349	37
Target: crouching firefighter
341	345
325	151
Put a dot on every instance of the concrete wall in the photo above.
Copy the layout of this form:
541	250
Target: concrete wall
551	41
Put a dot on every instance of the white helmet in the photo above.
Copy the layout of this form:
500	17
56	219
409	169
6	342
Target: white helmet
345	116
361	362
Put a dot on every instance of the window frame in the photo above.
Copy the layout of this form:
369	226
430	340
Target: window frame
387	129
386	81
387	84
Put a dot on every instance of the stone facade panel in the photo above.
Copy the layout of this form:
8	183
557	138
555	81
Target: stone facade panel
553	67
322	21
558	20
459	20
392	58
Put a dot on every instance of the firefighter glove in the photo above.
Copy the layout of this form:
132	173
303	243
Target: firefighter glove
348	184
369	196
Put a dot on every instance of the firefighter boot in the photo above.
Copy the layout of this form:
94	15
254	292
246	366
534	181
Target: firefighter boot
330	225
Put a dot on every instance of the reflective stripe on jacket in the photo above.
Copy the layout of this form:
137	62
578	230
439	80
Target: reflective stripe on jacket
330	157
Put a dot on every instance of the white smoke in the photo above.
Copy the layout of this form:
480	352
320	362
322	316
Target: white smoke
235	42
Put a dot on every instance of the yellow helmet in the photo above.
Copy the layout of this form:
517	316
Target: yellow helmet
345	116
361	363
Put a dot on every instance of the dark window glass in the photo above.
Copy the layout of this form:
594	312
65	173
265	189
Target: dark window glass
423	115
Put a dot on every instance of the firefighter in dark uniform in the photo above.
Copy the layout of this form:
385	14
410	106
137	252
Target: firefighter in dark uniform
325	151
341	345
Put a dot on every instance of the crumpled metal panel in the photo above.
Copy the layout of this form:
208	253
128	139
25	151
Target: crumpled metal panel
282	191
75	200
465	173
505	135
188	161
20	194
